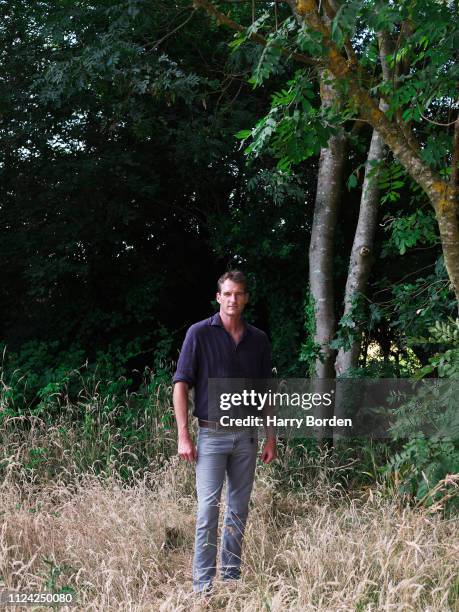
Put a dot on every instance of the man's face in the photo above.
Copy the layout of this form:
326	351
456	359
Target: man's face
232	298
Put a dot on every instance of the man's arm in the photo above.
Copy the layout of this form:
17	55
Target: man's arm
186	448
269	452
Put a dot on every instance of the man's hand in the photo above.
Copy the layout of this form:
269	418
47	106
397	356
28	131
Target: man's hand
269	452
186	448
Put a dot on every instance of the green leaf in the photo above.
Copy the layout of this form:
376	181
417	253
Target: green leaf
243	134
237	42
352	181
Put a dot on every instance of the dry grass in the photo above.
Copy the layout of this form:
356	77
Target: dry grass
130	547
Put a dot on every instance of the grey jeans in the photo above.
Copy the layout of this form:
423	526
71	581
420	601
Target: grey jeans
220	453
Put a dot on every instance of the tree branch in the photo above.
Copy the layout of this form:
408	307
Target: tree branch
343	69
386	47
221	18
428	179
330	11
179	27
455	160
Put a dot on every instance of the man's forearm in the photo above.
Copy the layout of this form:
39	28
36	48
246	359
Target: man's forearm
186	448
270	432
180	399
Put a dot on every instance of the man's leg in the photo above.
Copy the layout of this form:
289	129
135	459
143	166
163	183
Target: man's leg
213	451
241	471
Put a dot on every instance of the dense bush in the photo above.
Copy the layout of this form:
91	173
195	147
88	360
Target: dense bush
430	422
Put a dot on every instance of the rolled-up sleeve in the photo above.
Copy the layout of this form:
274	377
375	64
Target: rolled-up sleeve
187	364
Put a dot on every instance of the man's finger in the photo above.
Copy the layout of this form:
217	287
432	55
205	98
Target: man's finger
267	456
191	456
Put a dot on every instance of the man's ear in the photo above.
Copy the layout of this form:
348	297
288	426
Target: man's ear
217	297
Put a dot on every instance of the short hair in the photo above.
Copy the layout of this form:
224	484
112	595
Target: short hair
233	275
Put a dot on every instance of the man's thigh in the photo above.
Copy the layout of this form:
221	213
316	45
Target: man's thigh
241	470
214	449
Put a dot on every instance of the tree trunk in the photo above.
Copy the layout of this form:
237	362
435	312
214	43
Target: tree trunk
446	213
360	265
362	249
322	241
362	258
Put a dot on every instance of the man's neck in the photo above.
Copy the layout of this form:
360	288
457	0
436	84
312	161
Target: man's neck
233	325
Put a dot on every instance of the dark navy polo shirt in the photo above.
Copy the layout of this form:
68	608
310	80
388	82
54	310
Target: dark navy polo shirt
209	351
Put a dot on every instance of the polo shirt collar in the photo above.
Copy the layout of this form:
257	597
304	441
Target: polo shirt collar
215	320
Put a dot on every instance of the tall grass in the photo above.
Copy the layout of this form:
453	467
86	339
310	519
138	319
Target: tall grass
128	546
88	429
94	500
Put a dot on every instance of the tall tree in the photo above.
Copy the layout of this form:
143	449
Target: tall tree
423	35
341	59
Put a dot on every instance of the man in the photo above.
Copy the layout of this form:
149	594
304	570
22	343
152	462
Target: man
223	346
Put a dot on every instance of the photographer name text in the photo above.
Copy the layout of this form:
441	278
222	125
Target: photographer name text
275	421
